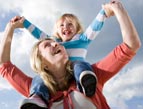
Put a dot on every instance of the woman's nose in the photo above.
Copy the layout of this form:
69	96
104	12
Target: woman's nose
54	44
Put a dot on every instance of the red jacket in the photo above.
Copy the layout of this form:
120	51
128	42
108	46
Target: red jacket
104	70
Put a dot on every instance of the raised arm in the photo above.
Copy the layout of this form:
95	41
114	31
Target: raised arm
35	31
96	25
123	53
5	44
128	30
8	71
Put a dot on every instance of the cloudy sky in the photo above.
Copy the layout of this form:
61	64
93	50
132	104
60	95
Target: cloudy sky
124	91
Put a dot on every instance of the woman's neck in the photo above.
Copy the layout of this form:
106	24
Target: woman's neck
60	75
59	70
60	79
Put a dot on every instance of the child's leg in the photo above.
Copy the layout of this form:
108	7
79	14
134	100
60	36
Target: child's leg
85	77
39	95
38	87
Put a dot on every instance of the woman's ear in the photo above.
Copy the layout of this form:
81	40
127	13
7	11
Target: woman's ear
44	65
46	68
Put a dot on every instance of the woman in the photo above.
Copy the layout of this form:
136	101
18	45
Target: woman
66	96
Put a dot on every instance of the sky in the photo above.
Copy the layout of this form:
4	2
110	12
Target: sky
123	91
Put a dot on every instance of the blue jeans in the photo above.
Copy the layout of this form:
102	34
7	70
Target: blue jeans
78	68
40	89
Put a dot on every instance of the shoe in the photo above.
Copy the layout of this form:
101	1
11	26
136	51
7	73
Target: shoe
34	102
31	106
88	81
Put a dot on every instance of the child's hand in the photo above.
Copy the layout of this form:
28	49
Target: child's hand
108	11
114	7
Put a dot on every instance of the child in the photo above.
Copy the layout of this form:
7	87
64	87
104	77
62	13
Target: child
68	31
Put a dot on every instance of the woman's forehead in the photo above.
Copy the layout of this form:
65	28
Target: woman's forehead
47	41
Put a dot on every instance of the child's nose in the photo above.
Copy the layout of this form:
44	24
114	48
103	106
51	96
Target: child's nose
66	25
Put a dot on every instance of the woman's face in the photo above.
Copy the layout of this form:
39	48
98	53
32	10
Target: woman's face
66	29
52	53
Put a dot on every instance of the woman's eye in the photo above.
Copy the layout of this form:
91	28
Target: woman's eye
47	45
61	25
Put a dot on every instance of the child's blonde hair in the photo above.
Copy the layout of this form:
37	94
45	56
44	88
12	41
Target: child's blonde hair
71	18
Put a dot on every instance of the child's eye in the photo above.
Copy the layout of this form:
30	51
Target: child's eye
70	24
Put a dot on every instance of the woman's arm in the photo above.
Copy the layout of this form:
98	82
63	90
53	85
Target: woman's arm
123	53
5	44
128	30
11	73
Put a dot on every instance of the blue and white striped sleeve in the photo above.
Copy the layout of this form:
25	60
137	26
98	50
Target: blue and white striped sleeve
96	26
35	31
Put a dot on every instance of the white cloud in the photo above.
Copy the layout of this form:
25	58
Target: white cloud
40	13
4	84
21	48
124	87
140	106
43	13
10	5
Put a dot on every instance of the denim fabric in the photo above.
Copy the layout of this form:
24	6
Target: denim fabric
39	88
79	67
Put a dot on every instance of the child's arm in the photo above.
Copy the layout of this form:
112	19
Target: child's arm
35	31
96	26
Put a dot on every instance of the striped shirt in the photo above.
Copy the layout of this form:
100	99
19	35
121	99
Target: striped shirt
77	46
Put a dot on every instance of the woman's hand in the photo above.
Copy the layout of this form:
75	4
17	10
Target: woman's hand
114	7
128	30
16	22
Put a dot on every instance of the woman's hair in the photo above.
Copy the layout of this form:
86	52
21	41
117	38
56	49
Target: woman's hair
71	18
38	67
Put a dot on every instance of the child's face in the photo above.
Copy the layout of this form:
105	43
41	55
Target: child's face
66	29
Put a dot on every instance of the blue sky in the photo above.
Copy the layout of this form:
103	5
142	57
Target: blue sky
124	91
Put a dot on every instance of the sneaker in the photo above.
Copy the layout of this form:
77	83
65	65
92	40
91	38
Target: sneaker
88	81
34	102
